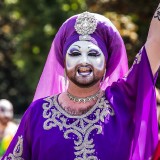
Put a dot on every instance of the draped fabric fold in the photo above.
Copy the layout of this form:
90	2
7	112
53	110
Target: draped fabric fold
122	125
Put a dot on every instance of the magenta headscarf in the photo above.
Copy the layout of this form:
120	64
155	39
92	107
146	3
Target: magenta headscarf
105	36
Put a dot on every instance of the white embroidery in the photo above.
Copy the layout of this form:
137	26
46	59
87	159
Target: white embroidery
136	61
17	152
81	126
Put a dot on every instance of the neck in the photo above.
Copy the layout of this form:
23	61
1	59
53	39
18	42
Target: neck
82	92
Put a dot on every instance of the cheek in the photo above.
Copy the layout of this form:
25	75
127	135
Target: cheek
70	62
98	63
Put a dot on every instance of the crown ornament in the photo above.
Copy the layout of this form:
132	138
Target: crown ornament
85	25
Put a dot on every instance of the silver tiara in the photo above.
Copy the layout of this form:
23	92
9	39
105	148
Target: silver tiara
85	25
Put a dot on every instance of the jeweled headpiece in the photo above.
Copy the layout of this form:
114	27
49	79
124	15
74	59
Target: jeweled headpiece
85	25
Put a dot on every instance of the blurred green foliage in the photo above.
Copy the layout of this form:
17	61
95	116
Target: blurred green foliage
28	27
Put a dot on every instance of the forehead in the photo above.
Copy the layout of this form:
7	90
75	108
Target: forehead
84	45
6	108
5	105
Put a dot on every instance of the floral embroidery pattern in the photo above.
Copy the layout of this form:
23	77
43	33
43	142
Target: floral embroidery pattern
17	152
81	127
136	61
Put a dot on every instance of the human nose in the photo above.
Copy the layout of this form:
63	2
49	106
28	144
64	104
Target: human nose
84	60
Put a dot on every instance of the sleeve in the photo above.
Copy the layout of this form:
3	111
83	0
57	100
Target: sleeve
20	146
137	89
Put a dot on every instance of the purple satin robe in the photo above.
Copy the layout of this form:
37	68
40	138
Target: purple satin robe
121	126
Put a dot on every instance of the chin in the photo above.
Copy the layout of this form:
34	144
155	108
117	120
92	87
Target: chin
84	83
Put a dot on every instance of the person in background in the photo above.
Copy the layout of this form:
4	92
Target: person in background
7	127
158	97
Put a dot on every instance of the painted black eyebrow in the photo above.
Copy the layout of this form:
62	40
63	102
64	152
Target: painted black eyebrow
77	46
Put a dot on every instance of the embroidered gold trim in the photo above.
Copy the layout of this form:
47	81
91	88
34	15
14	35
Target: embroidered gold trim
17	152
136	61
81	126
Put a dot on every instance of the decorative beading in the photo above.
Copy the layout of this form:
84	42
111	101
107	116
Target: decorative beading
81	126
85	25
84	99
17	152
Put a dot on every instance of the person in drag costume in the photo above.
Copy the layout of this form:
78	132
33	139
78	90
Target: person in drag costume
88	105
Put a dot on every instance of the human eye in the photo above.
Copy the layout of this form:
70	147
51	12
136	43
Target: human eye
74	52
93	53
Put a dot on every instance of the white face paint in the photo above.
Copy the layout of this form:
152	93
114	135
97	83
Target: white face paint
85	63
84	52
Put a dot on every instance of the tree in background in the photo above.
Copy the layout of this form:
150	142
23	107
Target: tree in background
27	29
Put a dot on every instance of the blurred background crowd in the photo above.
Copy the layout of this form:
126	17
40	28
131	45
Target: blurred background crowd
28	27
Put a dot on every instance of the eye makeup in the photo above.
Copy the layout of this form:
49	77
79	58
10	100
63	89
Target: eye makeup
94	53
74	52
84	52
